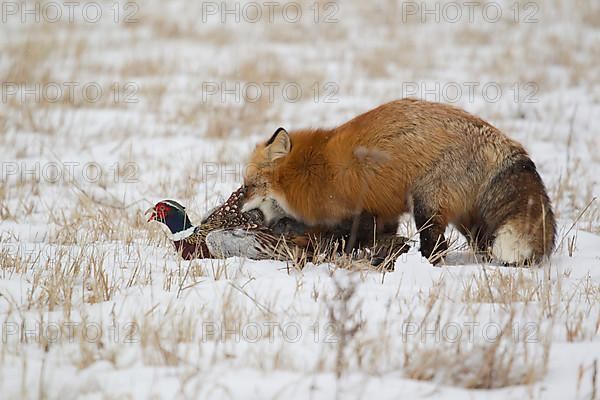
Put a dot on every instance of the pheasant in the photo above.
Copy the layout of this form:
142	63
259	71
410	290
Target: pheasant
190	240
227	232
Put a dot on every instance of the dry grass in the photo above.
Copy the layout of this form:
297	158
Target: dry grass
486	366
81	252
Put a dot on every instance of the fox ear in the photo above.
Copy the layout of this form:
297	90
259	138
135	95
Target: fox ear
279	145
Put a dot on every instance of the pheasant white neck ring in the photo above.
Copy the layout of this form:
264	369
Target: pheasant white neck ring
183	234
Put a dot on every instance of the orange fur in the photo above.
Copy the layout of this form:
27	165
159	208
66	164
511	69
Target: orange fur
384	160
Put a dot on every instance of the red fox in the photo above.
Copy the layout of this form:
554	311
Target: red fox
443	164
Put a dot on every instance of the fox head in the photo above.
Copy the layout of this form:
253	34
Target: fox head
261	177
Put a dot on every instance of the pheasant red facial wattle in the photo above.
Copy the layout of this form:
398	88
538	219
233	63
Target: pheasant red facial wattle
161	211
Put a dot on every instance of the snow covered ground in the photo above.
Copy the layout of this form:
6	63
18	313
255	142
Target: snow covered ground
108	107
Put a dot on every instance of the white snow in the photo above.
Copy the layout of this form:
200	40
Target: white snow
94	302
